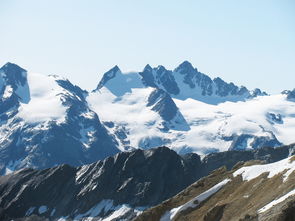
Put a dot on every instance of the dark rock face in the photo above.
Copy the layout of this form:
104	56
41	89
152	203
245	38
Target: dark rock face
257	92
291	95
275	118
163	104
138	178
14	75
194	78
167	80
225	89
157	77
13	90
147	76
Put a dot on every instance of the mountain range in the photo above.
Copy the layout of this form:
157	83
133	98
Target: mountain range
153	145
47	121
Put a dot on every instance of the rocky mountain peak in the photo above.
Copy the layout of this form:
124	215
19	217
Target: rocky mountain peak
147	68
185	67
13	75
108	76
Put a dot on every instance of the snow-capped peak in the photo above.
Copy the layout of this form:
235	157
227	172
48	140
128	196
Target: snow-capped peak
183	82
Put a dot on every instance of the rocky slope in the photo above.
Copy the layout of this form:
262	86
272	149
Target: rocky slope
117	188
248	192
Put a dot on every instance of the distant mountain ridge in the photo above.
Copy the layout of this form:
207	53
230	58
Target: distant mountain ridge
182	83
47	121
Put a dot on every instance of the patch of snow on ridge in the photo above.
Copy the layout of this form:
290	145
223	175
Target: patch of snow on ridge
7	92
251	172
42	209
169	215
30	211
107	207
87	136
81	172
45	103
277	201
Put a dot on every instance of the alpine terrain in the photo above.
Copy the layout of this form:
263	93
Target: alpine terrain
47	121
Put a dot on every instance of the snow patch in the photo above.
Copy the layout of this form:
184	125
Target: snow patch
87	136
7	92
42	209
52	212
81	172
105	207
30	211
169	215
277	201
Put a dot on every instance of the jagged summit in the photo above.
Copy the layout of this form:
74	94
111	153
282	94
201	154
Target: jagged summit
12	68
185	66
183	82
108	76
147	68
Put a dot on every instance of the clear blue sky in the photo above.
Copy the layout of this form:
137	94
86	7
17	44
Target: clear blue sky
250	43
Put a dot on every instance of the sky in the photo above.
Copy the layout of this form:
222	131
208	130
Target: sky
250	43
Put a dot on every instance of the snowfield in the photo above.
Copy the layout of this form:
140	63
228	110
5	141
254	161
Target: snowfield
44	101
211	127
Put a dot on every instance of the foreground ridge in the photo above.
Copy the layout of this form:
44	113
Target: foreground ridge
119	187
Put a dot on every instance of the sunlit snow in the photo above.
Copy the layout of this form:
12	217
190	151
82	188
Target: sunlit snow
45	104
276	201
169	215
251	172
